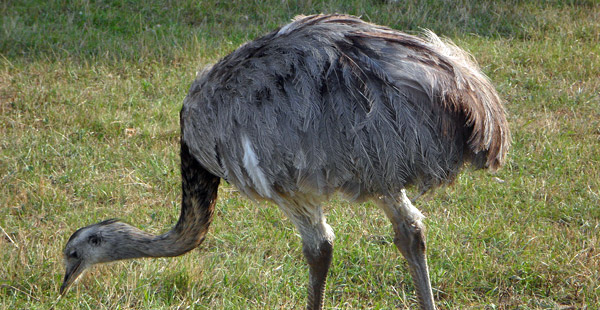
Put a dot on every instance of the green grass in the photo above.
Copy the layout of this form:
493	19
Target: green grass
89	99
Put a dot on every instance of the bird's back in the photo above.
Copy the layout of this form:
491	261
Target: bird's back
331	103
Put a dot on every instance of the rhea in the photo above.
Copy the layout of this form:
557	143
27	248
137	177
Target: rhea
325	104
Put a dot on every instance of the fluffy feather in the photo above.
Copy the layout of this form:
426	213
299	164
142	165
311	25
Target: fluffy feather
335	103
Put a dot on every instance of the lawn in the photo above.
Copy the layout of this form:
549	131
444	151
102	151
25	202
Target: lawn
90	93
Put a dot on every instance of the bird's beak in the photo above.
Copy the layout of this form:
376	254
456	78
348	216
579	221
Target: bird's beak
72	273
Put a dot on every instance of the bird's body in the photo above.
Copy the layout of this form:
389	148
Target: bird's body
327	104
333	103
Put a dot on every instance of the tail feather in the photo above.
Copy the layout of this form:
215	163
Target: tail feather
479	101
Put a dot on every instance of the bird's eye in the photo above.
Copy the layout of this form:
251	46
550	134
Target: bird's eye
73	255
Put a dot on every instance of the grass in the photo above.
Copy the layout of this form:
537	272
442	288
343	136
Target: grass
89	99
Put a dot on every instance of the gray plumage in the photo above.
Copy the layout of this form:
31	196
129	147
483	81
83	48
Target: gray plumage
332	103
327	103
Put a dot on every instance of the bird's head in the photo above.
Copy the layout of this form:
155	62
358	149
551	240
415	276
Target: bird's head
86	247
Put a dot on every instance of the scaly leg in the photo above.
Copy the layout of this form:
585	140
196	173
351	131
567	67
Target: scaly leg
317	246
318	260
409	238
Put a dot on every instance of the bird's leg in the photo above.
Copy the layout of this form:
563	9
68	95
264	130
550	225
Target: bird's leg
409	238
317	246
319	260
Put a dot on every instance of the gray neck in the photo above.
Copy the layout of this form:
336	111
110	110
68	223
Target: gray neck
135	243
199	195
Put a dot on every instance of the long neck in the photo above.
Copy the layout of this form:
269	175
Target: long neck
197	207
198	201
